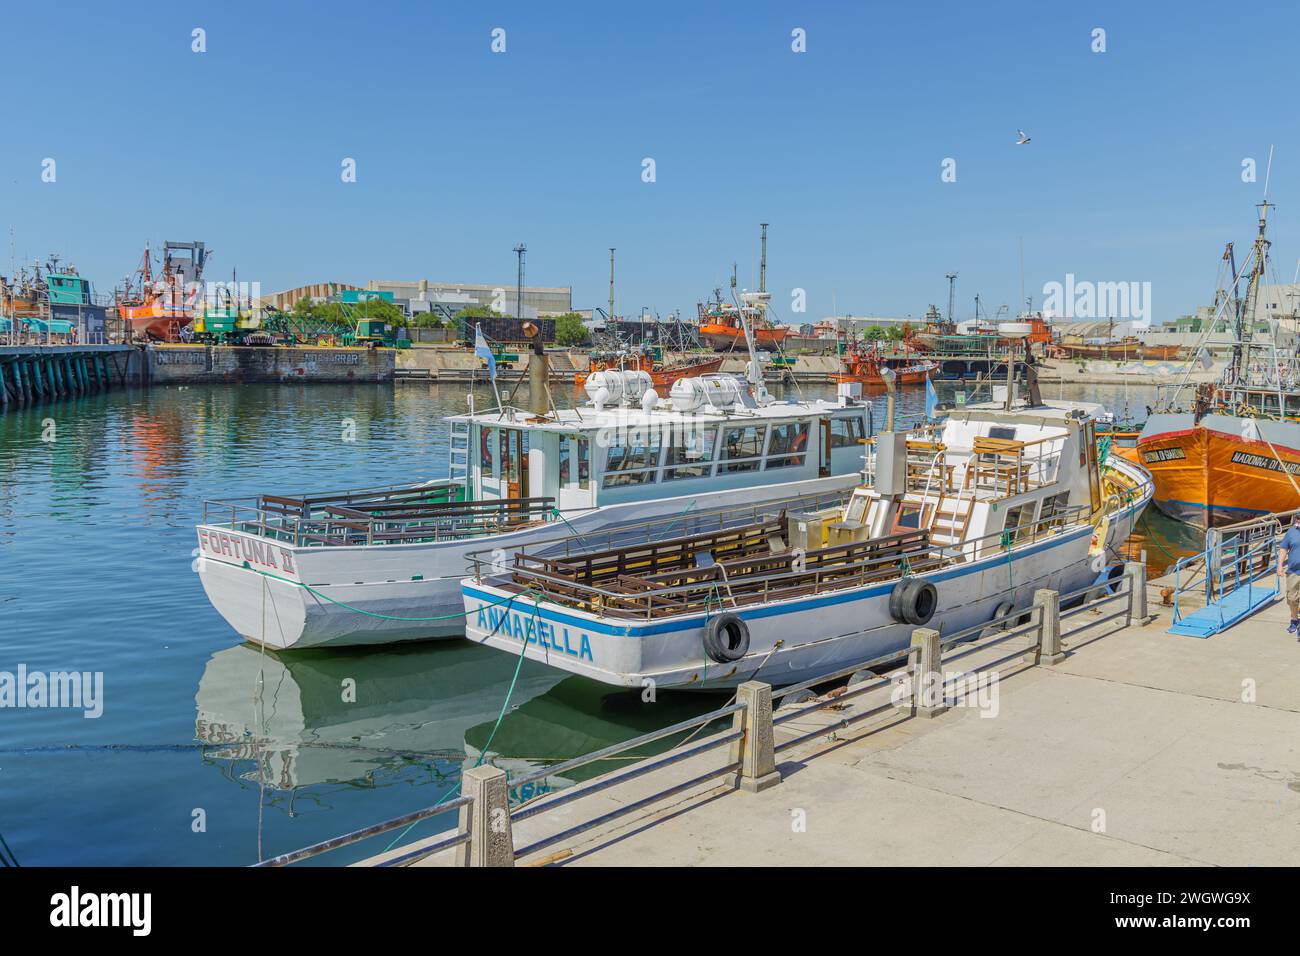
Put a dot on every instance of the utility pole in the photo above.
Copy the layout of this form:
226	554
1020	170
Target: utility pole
611	284
519	287
952	296
762	262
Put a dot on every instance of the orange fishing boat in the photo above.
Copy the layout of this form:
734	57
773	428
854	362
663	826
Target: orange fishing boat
865	365
158	309
721	329
1236	451
662	375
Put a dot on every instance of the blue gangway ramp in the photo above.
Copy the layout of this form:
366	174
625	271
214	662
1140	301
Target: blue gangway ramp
1237	574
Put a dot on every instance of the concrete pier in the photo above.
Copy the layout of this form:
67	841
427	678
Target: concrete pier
1135	748
40	373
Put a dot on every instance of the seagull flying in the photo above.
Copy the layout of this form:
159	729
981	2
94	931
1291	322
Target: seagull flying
1021	138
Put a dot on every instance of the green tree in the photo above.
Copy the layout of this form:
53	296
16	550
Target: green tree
874	333
569	329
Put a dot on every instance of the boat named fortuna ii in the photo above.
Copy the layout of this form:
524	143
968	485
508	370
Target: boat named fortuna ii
377	565
957	523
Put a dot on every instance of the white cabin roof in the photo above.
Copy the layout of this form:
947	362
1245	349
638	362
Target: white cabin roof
588	418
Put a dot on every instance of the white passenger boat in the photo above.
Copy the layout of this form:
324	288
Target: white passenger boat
376	565
959	523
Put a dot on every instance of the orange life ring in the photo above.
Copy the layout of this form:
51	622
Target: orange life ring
799	445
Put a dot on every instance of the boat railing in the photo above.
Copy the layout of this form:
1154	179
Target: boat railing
320	522
630	534
801	574
754	728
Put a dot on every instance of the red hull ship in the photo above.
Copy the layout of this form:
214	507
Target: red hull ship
662	376
158	309
865	365
720	327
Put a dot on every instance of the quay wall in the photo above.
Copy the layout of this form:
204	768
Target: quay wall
37	374
200	364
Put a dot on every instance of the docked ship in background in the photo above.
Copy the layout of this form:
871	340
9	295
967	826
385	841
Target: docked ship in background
722	329
863	363
662	374
159	308
53	300
1234	450
981	337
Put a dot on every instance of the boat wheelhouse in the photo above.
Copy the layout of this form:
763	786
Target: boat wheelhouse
376	565
959	523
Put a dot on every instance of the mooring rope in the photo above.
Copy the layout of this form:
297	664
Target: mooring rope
385	617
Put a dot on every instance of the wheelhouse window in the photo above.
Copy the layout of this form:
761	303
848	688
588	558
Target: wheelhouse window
743	447
633	457
1055	509
487	454
690	453
787	444
513	447
575	461
1020	523
846	432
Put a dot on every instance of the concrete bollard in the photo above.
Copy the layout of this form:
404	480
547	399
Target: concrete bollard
755	751
486	819
927	681
1049	635
1136	571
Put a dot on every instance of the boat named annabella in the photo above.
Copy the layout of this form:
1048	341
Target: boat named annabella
961	522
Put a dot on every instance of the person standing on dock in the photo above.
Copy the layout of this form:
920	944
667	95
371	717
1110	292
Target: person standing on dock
1291	570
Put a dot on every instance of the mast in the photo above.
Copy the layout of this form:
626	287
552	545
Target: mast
611	285
1248	309
762	262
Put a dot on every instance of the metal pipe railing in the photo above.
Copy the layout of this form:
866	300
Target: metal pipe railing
284	859
986	637
643	602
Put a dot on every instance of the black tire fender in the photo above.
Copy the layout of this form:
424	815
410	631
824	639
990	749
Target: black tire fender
726	639
913	601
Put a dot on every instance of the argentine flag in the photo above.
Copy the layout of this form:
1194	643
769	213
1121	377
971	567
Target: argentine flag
482	351
931	399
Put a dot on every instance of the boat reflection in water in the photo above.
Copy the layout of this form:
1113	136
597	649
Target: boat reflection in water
314	717
580	716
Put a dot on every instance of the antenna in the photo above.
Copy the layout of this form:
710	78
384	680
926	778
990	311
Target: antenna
1022	268
519	288
1268	171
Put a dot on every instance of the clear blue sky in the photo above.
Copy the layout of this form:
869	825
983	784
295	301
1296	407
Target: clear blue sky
1134	171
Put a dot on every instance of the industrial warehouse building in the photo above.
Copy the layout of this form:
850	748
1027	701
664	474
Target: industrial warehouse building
419	296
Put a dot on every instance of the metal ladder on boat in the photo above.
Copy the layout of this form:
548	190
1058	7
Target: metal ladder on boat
458	455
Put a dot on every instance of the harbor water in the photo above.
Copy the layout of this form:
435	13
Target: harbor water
204	750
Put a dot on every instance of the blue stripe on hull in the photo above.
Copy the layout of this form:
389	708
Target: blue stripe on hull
632	629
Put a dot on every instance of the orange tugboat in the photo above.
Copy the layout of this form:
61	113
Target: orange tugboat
1236	451
159	309
661	375
863	363
720	327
